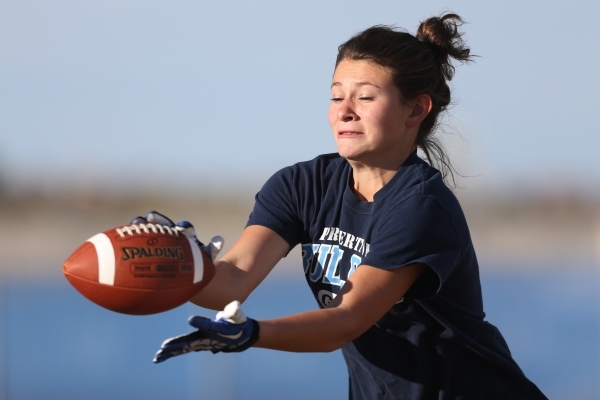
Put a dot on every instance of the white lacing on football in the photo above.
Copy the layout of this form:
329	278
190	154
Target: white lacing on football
146	228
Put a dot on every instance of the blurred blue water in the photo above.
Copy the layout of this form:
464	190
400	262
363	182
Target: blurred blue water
54	344
552	325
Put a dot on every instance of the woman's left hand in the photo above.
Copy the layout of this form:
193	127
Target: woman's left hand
230	331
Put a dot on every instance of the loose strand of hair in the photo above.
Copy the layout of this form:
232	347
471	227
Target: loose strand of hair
437	157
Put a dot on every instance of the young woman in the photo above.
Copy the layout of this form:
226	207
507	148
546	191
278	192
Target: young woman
385	245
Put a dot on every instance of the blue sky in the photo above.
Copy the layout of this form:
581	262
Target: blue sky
189	94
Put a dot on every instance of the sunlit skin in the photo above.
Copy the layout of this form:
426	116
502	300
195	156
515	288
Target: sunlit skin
375	129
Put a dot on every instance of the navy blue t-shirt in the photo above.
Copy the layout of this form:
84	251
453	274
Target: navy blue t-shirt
433	343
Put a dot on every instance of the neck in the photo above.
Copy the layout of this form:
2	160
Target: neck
368	179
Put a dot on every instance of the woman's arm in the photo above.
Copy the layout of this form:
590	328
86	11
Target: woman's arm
243	268
365	298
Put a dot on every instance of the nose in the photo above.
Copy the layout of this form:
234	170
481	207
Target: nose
346	111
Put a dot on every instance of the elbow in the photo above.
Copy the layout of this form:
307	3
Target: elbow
334	345
344	334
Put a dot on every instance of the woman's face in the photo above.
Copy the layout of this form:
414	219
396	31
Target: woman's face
371	124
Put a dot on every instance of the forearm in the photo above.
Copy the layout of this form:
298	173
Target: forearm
243	268
364	299
312	331
227	285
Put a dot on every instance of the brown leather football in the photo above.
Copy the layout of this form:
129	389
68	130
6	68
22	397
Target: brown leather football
139	269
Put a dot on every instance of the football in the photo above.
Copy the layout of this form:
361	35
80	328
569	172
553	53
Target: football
139	269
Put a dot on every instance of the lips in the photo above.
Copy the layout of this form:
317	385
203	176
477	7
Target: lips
349	134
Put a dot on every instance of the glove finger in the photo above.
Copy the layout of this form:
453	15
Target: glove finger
214	246
155	217
203	324
164	354
186	338
169	350
138	220
194	341
187	228
161	356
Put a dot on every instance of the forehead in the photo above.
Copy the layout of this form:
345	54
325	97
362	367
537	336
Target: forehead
350	72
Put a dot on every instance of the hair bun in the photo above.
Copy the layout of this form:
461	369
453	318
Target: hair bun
442	34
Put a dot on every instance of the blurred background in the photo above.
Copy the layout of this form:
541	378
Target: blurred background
109	109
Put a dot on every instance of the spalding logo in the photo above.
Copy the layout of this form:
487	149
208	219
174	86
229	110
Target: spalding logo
131	253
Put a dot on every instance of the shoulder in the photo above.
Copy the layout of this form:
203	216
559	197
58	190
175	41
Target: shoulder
418	207
318	171
324	163
307	178
293	193
420	220
421	186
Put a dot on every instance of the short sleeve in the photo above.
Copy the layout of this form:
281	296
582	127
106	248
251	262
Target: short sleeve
276	207
418	230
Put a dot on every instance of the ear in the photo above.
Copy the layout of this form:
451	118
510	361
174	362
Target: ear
421	106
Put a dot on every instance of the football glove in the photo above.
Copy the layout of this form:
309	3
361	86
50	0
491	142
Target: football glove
230	331
154	217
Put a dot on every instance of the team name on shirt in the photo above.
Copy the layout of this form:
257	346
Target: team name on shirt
345	239
324	262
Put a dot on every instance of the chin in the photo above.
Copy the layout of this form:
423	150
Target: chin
352	156
348	155
348	152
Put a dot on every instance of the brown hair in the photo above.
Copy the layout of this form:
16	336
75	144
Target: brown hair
419	64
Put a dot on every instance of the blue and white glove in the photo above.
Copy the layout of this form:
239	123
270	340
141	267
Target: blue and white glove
154	217
230	331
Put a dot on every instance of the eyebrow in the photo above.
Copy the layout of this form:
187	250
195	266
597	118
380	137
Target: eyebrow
361	83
